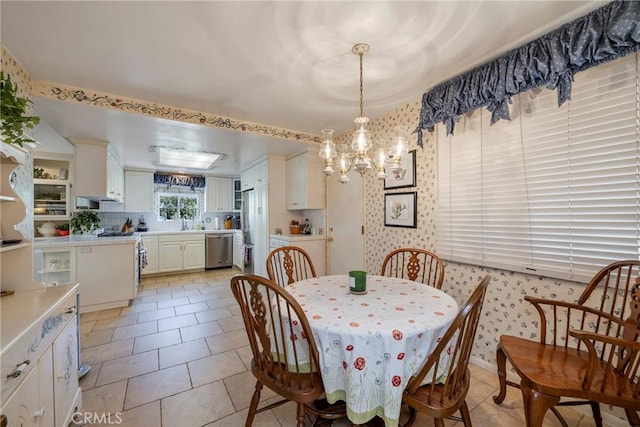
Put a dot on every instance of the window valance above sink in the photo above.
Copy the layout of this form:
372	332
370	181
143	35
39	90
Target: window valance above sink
169	180
607	33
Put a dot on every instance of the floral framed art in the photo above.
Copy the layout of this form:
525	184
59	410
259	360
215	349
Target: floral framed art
406	177
400	210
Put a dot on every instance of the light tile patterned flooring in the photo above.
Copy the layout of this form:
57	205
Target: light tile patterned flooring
179	356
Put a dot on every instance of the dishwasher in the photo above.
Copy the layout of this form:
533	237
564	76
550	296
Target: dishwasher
218	250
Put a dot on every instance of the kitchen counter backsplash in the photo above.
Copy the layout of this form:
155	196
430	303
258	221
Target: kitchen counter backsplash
115	220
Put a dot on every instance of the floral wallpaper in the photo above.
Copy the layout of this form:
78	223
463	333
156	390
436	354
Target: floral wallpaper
130	105
504	310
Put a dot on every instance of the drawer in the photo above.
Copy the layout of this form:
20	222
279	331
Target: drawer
186	237
23	356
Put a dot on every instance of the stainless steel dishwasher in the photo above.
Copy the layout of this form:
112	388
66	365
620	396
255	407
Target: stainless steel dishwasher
219	250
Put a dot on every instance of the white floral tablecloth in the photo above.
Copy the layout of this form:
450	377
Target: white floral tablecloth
371	344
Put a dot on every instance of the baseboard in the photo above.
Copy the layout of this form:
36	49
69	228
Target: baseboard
608	419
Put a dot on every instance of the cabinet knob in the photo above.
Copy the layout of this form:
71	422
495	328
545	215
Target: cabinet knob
70	310
39	413
330	239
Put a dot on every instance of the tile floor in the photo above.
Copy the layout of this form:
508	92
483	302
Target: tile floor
179	356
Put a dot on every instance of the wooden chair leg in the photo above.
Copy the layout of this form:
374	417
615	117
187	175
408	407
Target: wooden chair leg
300	415
597	417
464	412
501	361
439	422
536	405
253	406
632	417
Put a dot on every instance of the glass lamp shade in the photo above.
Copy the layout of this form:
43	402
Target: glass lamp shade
328	151
361	142
400	145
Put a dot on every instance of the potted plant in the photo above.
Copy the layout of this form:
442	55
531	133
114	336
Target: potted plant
295	227
63	229
84	222
13	113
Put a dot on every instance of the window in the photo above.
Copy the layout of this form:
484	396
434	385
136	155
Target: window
174	206
555	191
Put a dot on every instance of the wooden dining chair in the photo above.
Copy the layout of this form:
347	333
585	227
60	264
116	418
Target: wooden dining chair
283	361
444	395
587	350
288	264
418	265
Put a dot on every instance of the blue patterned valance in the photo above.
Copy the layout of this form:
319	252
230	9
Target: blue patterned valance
181	180
607	33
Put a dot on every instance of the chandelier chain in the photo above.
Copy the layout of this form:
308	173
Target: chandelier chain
361	89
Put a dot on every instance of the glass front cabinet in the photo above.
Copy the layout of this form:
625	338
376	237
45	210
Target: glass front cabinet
51	188
55	266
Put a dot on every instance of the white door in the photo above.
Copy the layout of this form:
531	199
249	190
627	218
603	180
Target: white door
345	222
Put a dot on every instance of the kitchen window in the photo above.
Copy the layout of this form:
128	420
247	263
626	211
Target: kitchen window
176	206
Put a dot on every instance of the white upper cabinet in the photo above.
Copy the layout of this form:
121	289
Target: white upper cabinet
305	182
99	175
139	191
219	194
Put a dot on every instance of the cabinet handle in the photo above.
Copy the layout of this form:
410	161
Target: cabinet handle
70	310
19	369
39	413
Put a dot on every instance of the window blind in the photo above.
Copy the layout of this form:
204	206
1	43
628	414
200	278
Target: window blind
556	190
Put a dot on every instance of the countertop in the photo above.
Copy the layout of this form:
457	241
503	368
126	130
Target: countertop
299	237
91	240
206	231
25	309
85	240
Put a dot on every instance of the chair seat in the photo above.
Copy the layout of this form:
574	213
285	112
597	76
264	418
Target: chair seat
559	371
305	387
430	399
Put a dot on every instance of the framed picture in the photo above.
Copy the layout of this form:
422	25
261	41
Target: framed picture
400	210
405	178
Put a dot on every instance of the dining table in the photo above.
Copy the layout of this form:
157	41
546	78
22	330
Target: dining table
371	343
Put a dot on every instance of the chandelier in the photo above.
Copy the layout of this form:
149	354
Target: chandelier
359	157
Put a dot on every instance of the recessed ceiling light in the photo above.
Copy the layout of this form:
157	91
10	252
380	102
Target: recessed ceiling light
182	158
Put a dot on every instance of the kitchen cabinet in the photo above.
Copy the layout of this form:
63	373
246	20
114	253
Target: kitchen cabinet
51	187
32	402
177	252
305	181
150	243
99	175
315	246
16	195
237	249
65	373
55	266
107	275
237	195
39	357
219	194
138	191
255	175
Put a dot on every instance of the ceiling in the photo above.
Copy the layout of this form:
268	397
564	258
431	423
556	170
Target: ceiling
286	64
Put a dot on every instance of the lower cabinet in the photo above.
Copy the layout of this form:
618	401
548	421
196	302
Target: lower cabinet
40	365
65	370
107	275
315	246
178	252
150	243
237	249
